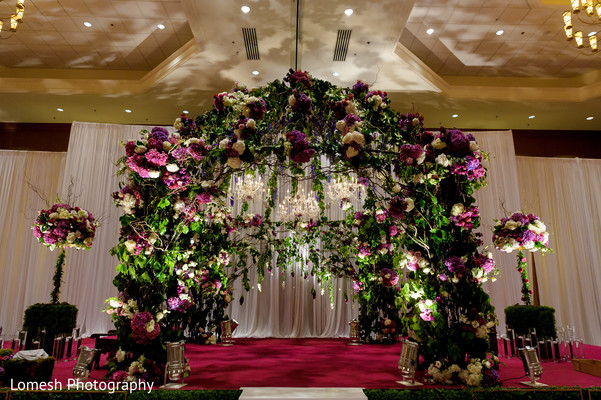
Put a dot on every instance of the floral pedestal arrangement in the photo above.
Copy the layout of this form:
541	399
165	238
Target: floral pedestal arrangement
522	232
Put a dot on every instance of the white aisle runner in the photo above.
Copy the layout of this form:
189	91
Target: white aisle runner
275	393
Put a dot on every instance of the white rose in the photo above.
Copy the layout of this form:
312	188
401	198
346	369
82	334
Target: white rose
486	364
223	143
140	149
457	209
396	188
438	144
178	124
120	355
292	100
438	364
340	125
421	158
474	146
251	124
443	160
474	380
150	326
351	152
410	204
512	225
359	138
239	147
234	162
350	108
88	241
348	138
166	146
418	178
154	174
71	237
152	238
482	332
130	245
172	167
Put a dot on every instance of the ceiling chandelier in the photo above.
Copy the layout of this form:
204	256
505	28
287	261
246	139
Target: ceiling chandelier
15	19
587	12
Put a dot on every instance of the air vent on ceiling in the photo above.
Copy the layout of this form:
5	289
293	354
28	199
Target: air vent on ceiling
342	41
250	43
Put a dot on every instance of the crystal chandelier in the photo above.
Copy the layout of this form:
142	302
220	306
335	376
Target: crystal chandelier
15	19
583	12
343	189
299	206
249	188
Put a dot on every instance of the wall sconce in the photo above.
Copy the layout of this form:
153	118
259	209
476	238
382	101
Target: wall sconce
176	365
407	363
354	336
83	366
532	367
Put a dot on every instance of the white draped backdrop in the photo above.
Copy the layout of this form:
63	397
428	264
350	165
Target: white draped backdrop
563	192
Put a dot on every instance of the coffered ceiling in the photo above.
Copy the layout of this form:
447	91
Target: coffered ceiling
462	67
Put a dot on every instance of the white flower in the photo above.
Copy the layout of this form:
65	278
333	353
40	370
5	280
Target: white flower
130	245
223	143
350	108
340	125
421	158
486	364
140	149
396	188
251	124
438	364
410	204
178	124
234	162
474	380
351	152
418	178
172	167
457	209
71	237
120	355
454	368
438	144
292	100
474	146
512	225
166	146
482	332
443	160
152	238
150	326
239	147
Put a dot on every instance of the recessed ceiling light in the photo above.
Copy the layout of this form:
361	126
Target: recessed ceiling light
127	110
255	72
161	26
499	32
532	116
348	11
245	9
455	115
335	73
88	24
592	33
185	111
589	118
60	109
430	31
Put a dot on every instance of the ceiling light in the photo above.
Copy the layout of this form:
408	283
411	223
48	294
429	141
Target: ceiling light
88	24
255	72
161	26
430	31
455	115
499	32
574	23
348	11
245	9
335	73
532	116
60	109
589	118
185	111
15	19
127	110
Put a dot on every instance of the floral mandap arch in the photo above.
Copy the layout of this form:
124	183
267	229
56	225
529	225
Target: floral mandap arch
406	239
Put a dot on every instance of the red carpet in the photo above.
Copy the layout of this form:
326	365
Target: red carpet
312	362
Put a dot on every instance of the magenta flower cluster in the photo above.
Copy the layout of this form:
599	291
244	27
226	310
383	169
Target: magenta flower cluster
389	277
298	77
301	152
467	218
410	154
65	226
140	324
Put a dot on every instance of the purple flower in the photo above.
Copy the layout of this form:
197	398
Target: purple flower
410	154
256	108
139	325
455	265
443	277
298	77
360	87
197	151
397	207
156	158
203	198
300	151
159	134
389	277
351	119
459	143
176	180
218	101
118	376
393	230
357	286
49	238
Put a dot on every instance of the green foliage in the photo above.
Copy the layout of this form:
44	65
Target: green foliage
54	318
5	352
488	394
26	371
58	277
523	318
